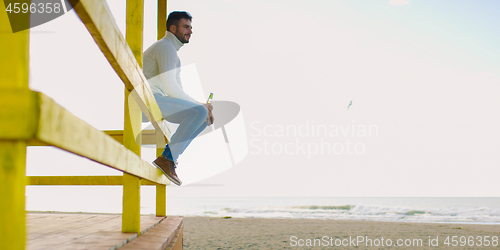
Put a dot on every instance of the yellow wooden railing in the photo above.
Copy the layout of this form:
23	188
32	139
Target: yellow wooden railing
32	118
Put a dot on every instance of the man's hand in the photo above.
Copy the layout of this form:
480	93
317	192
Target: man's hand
210	116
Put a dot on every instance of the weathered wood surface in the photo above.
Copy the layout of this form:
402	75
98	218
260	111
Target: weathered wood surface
56	231
167	235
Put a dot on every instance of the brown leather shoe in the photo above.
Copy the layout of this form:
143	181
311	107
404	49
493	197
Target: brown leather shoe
168	168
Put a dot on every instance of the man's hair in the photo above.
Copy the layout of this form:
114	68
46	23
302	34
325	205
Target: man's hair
175	16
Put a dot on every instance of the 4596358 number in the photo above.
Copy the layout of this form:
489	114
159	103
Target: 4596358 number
471	241
34	8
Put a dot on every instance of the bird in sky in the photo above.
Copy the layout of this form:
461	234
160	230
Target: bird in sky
349	105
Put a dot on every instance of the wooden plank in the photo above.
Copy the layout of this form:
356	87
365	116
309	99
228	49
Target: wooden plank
110	180
148	136
97	17
178	242
81	230
74	180
57	127
62	129
166	235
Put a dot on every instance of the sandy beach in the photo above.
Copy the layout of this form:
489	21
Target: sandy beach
253	233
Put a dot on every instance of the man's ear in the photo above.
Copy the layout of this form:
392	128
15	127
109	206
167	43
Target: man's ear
172	29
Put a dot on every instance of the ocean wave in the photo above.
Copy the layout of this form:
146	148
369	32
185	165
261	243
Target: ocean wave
427	210
345	207
364	212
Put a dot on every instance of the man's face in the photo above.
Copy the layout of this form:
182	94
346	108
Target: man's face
183	31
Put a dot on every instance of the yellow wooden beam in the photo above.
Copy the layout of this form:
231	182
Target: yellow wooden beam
60	128
110	180
134	28
131	220
161	190
35	142
14	53
16	122
19	112
73	180
162	19
131	217
148	136
160	144
132	128
97	17
161	200
14	130
12	190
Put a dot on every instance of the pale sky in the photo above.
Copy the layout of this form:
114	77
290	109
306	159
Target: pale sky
423	75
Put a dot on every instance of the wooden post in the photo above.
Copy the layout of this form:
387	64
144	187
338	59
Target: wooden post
14	63
161	200
161	190
12	189
133	116
162	18
131	184
131	220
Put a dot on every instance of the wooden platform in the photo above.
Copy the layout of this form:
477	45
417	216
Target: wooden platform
57	231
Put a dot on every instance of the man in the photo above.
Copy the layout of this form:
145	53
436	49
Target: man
162	69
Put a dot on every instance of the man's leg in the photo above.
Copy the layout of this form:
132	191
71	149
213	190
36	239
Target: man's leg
191	118
196	133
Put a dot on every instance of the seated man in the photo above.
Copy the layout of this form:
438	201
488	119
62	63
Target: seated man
162	69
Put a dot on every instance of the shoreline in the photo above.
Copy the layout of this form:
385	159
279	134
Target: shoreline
265	233
346	220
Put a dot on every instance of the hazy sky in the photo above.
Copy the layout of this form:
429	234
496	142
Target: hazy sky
423	78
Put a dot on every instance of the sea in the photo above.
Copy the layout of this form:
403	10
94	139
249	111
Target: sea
473	210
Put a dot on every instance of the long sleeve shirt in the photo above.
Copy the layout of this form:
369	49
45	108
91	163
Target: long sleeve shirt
162	68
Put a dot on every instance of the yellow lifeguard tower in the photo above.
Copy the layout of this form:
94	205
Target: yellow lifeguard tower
29	118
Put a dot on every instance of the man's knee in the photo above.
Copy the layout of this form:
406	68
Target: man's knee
201	110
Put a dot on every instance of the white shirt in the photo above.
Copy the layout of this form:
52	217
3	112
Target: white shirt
162	68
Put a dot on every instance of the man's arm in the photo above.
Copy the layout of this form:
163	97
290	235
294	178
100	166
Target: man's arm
166	59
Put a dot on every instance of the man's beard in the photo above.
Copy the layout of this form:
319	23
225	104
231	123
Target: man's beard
182	39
